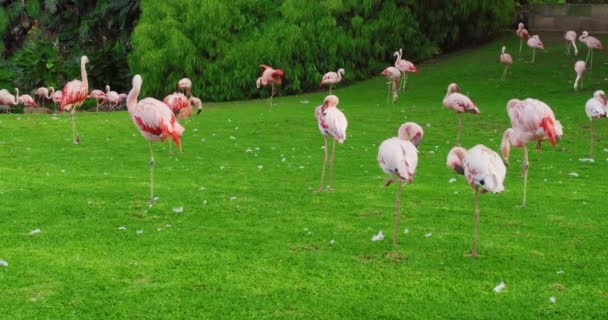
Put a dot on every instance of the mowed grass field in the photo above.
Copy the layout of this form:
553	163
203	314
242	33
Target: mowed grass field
252	239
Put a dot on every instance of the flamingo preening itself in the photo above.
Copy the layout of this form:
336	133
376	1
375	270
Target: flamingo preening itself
506	60
460	103
155	121
484	171
596	109
272	77
99	97
332	123
579	68
393	75
531	120
404	67
591	43
521	33
332	78
185	85
398	156
535	43
74	94
570	37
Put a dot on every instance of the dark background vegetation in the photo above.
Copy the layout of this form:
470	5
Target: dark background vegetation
219	44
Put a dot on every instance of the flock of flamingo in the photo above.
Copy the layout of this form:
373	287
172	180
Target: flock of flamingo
531	121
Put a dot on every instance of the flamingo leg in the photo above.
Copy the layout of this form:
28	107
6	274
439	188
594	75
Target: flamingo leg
324	164
330	85
272	92
568	48
533	54
151	173
504	73
591	67
388	92
591	144
525	168
331	165
588	53
459	128
397	204
396	90
521	42
475	226
405	81
75	134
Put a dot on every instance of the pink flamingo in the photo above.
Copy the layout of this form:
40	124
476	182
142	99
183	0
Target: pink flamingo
483	170
185	85
570	37
534	43
155	121
531	120
399	156
404	67
99	97
393	75
112	98
506	60
591	43
272	77
179	104
27	100
460	103
332	123
579	68
56	97
332	78
44	93
521	33
74	94
196	103
7	99
595	109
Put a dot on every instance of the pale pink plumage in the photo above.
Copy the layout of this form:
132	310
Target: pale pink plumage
596	109
27	101
535	43
570	37
332	78
185	85
579	68
272	77
111	98
591	43
394	76
459	103
506	60
7	99
331	123
178	103
410	131
521	32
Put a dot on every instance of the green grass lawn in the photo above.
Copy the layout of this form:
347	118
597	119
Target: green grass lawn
253	240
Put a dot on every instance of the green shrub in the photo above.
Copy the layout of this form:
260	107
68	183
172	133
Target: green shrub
219	44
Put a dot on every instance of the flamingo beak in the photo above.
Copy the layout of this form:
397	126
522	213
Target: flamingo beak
416	140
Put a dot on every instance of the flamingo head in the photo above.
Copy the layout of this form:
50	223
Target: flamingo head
412	68
279	72
386	72
453	88
455	158
600	96
411	131
137	81
549	127
84	60
330	101
396	54
585	34
503	50
520	26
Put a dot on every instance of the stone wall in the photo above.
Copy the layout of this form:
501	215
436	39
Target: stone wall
561	17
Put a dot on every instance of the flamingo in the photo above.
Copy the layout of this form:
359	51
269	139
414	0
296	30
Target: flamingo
179	104
506	60
404	67
122	98
44	93
185	85
270	77
74	94
28	101
155	121
595	109
534	43
460	103
331	122
399	156
591	43
393	75
112	98
99	97
332	78
7	99
56	97
579	68
531	120
570	37
483	170
521	33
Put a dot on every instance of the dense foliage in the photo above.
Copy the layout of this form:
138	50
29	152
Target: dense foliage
219	44
44	39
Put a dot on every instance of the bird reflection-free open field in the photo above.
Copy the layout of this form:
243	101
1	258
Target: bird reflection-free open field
237	231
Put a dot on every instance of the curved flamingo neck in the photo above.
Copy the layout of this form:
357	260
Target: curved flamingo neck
133	94
83	74
398	58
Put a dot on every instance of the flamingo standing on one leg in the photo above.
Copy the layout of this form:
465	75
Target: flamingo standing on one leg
155	121
579	68
74	94
591	43
506	60
399	156
99	97
272	77
521	33
185	85
531	120
332	78
404	67
534	43
483	170
7	99
460	103
394	76
332	123
595	109
570	37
